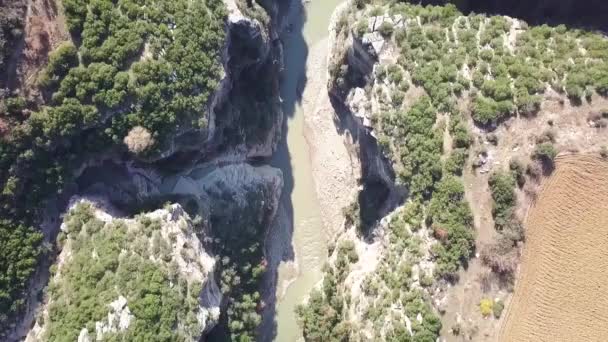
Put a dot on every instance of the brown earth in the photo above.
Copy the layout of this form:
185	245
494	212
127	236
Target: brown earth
517	138
44	30
560	292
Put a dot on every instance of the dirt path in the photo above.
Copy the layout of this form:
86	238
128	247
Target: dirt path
561	291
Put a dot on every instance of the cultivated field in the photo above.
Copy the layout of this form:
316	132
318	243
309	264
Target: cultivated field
561	291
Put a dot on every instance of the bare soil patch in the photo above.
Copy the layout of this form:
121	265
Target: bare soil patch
44	30
560	292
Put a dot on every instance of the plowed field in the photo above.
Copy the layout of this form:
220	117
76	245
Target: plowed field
562	290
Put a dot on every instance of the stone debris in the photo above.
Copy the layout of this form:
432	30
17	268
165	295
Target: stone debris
375	40
357	107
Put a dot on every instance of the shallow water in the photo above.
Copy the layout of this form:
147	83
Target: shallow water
309	238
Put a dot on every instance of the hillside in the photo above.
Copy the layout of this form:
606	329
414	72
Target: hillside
136	104
469	112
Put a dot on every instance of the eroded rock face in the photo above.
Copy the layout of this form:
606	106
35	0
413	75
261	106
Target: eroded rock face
252	52
213	177
164	241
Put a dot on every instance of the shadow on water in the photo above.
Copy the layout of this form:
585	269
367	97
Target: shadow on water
293	83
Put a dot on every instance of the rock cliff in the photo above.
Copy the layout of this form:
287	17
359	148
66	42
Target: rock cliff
241	117
208	171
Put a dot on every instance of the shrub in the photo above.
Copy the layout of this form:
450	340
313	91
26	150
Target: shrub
426	280
604	152
575	85
20	247
397	98
528	104
461	137
12	106
61	61
395	74
497	308
456	329
139	140
486	307
518	170
386	29
361	27
456	161
501	186
361	3
545	152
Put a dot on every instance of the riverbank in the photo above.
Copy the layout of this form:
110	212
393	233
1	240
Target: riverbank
335	165
319	181
335	169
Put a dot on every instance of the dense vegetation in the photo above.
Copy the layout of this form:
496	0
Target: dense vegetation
415	145
502	255
504	66
325	317
131	259
150	64
452	223
241	267
11	29
394	282
502	185
490	67
19	250
19	242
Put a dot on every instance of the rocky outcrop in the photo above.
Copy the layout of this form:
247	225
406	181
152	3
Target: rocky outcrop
357	57
243	114
183	253
206	170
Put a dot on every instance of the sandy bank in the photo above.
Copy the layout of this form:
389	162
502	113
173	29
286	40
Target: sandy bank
335	170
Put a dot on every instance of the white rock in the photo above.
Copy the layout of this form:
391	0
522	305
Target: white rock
84	336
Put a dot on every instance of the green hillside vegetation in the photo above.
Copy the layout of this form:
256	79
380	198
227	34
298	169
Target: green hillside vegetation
145	63
109	260
242	266
503	67
324	317
11	29
499	70
502	185
392	284
504	74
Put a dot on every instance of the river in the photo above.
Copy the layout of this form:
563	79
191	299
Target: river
309	238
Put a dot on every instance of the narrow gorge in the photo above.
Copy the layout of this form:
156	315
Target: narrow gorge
282	170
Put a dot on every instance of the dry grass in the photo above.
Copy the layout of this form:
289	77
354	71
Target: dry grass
560	293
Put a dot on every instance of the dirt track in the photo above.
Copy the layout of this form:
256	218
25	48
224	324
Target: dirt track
561	291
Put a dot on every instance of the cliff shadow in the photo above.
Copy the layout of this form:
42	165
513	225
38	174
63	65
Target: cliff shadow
379	192
292	84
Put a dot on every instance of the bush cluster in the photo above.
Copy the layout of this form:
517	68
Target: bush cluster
12	14
101	90
114	259
450	213
323	317
502	185
505	79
